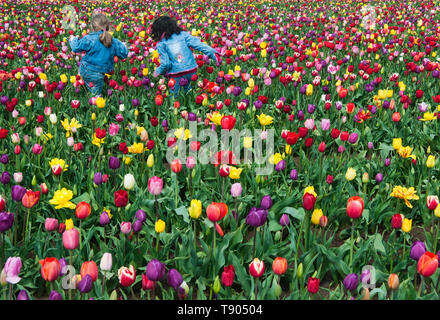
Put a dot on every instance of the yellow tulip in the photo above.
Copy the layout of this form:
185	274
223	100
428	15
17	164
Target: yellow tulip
159	226
100	102
397	143
431	161
150	161
247	142
235	173
69	224
350	174
195	210
406	225
316	216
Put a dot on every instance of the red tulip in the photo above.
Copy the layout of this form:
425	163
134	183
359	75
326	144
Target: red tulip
158	100
2	203
427	264
313	285
321	147
82	210
90	268
396	221
432	202
121	198
176	166
30	198
228	122
419	94
228	275
256	268
309	201
355	207
50	269
126	276
100	133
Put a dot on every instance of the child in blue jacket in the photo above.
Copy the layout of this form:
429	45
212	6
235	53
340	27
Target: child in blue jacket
176	58
100	48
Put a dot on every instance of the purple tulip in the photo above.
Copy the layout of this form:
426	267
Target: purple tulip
104	219
63	265
17	192
311	108
137	226
281	165
256	217
284	220
155	270
365	277
85	285
141	216
114	163
174	278
379	177
370	145
4	159
97	178
6	220
266	202
351	281
55	295
353	138
387	162
192	116
294	174
417	250
23	295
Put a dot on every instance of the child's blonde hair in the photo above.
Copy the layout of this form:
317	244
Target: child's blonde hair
101	22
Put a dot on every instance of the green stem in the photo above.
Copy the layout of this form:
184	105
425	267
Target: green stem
352	245
436	237
103	285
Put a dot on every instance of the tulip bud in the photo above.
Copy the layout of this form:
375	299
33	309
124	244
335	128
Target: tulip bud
365	177
217	286
277	289
299	271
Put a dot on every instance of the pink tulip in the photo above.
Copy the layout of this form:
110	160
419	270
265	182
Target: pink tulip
155	185
71	239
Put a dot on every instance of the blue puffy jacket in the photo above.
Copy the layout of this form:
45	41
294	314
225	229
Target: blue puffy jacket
176	55
98	57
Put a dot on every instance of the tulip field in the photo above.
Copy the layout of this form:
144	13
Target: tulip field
327	187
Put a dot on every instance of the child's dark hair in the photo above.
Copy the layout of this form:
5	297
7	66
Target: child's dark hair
166	26
101	23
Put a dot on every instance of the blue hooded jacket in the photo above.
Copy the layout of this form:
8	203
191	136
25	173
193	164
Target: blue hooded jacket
176	55
98	57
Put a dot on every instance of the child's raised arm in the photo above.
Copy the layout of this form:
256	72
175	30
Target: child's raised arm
195	43
83	44
121	50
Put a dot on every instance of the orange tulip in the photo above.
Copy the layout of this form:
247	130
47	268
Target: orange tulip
216	211
30	198
427	264
279	265
82	210
90	268
50	269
